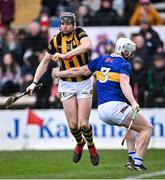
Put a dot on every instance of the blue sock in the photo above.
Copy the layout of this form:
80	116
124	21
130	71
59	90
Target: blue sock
132	154
138	160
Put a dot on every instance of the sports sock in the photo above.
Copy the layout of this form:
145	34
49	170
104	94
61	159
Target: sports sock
132	154
88	134
138	160
77	135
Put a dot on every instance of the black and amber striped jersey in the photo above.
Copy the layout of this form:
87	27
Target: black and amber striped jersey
63	44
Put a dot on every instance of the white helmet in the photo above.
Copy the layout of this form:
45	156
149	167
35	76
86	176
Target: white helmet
125	44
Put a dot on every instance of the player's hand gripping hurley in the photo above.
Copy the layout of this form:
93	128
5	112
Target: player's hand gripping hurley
13	99
130	125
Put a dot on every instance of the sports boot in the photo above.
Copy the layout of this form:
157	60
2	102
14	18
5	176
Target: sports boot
78	152
94	156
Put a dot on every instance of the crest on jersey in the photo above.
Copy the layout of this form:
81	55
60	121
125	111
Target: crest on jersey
108	60
68	47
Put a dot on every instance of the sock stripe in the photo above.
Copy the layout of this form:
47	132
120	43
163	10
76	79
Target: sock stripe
88	134
133	152
76	131
89	139
140	159
86	131
77	135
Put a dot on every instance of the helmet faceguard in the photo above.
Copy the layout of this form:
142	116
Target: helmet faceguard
125	47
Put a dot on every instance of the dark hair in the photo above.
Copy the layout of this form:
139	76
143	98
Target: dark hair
12	66
158	57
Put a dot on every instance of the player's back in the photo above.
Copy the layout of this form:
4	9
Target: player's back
108	73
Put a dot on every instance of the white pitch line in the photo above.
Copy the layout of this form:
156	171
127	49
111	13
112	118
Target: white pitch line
147	175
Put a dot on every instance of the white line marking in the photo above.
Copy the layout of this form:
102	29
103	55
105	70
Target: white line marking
146	175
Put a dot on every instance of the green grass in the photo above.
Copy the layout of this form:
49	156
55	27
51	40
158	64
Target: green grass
58	165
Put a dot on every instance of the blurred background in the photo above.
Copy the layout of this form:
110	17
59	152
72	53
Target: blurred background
27	26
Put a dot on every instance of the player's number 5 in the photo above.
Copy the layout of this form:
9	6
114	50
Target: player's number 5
104	71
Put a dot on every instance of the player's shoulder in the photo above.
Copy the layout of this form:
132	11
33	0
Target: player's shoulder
56	35
79	29
80	33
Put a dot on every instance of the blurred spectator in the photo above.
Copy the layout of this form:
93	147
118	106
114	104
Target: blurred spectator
151	38
32	45
104	45
138	80
44	93
156	83
129	7
106	15
94	5
118	5
141	49
21	35
44	21
145	11
10	76
34	39
2	39
120	35
7	8
84	15
68	6
12	46
51	6
160	49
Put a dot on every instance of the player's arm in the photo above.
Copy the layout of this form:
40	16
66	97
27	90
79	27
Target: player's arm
40	71
72	72
127	90
42	67
85	45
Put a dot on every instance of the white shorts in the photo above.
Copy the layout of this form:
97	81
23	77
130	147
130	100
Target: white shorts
81	89
114	112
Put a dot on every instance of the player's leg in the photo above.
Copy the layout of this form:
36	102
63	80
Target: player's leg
67	91
131	139
84	99
71	113
145	131
84	108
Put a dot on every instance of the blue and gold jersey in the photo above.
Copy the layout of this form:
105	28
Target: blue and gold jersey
108	69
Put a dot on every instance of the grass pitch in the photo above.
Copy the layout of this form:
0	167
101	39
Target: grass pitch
59	165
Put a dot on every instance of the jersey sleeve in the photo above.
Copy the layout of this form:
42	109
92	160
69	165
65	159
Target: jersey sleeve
81	34
92	65
125	69
51	49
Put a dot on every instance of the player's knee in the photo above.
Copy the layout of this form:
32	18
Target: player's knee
84	125
150	130
73	126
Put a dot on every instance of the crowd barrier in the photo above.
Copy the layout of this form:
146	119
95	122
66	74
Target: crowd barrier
48	130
